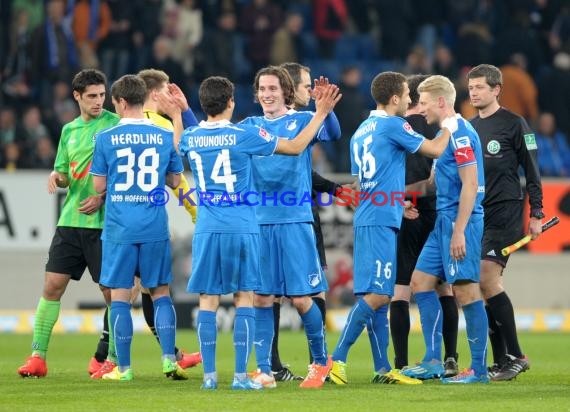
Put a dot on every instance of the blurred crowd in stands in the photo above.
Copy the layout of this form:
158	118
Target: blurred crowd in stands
43	43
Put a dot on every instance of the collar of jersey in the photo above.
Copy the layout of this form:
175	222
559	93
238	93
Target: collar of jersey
289	112
126	120
378	113
214	125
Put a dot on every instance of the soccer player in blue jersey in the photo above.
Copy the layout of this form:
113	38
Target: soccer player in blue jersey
411	238
132	163
158	89
378	154
290	264
453	248
301	76
225	246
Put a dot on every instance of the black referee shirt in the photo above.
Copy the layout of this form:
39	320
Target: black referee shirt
507	142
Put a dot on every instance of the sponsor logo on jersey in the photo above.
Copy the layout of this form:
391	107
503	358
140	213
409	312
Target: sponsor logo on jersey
491	253
76	174
530	141
408	128
493	147
464	155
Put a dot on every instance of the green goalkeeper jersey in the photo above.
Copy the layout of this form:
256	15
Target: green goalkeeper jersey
74	155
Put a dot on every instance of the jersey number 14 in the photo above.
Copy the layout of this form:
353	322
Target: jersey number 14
221	172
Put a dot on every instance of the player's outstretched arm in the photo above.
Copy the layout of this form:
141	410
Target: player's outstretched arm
326	100
188	117
55	180
172	110
434	148
423	188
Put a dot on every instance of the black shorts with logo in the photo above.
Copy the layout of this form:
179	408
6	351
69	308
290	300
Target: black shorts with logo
73	249
503	227
412	236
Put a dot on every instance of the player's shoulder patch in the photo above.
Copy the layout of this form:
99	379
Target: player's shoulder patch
265	135
408	128
462	141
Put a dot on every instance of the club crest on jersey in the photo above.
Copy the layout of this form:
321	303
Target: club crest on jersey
314	279
291	124
408	128
493	147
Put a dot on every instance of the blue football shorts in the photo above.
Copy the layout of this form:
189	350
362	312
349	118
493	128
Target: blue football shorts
375	260
436	260
122	260
289	263
224	263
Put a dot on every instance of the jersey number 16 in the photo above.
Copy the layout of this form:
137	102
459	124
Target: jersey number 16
366	164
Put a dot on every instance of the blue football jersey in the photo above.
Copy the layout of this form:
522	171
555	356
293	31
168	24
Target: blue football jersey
378	157
284	182
135	156
464	149
220	155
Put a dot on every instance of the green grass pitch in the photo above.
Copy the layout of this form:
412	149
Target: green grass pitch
546	387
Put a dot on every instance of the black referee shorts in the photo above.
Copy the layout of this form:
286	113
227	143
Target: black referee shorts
73	249
503	227
411	239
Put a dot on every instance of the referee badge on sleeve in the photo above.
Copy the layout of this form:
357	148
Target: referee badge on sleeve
530	141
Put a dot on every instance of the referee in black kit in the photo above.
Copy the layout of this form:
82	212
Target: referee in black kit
411	239
507	142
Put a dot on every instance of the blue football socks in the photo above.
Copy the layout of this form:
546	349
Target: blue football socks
431	318
207	335
244	330
165	325
263	338
378	334
476	325
360	314
122	324
315	331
